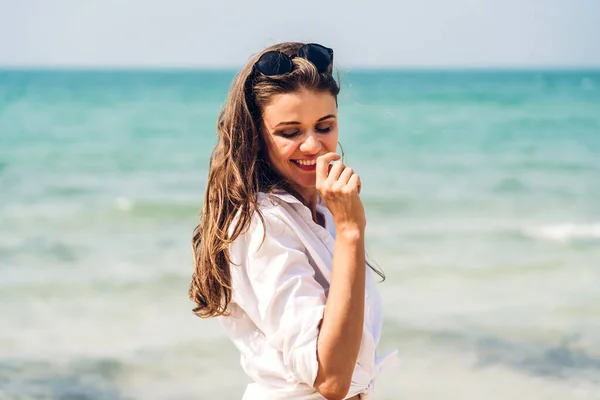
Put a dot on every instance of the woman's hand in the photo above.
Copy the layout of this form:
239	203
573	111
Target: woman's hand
339	187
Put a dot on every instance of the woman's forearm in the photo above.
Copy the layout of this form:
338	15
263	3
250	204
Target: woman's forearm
342	326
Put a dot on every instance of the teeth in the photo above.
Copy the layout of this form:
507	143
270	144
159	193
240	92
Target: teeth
306	162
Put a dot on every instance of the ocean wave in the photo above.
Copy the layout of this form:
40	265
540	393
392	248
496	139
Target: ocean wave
157	209
565	232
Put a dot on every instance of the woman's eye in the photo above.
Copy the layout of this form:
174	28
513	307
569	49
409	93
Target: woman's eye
289	133
324	128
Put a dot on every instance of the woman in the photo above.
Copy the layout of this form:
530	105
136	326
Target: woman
279	252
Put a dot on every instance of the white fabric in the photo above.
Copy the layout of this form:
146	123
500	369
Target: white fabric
279	291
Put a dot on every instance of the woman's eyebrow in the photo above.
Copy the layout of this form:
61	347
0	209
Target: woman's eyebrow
326	117
284	123
287	123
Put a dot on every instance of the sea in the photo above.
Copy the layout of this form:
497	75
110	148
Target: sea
482	195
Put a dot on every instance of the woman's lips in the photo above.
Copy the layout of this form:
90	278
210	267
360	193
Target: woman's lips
303	167
310	167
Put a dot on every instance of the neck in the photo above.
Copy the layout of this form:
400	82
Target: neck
310	197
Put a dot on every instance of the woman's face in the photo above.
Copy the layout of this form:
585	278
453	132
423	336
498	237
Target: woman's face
298	128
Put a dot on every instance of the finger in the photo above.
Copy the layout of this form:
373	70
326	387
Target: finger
335	171
354	182
323	163
346	175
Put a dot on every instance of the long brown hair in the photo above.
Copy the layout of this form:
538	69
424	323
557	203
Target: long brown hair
238	170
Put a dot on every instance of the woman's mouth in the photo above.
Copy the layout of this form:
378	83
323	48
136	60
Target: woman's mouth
306	165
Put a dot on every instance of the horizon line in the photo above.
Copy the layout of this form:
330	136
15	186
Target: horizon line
208	68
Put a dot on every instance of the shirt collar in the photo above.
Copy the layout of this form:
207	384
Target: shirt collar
291	199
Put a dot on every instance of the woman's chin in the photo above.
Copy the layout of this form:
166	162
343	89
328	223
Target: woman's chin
307	183
304	185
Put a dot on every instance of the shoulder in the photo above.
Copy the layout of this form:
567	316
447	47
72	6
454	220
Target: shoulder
271	208
267	207
269	238
271	220
271	203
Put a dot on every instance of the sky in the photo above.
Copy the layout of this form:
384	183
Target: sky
364	34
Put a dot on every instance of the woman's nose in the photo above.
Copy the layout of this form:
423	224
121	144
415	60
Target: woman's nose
311	143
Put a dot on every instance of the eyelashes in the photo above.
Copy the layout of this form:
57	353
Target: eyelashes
324	130
291	134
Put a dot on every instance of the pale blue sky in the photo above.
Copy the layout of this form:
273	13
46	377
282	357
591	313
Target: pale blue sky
200	33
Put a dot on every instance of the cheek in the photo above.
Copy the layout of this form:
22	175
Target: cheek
331	141
281	150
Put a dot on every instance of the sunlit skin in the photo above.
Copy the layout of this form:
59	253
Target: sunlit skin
300	126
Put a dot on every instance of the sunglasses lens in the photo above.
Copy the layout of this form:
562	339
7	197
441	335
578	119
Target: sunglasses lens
274	63
319	55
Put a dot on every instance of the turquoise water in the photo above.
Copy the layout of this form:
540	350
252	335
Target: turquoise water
482	192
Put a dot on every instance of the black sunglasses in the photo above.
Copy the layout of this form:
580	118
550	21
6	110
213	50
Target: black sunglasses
273	63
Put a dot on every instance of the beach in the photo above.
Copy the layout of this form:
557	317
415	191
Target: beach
482	195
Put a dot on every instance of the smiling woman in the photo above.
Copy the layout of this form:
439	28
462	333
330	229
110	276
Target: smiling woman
279	251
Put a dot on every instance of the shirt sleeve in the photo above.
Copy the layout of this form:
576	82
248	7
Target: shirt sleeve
290	302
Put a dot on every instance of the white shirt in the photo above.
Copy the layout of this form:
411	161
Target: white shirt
279	291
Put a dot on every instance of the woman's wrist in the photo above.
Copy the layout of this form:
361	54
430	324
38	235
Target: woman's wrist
350	232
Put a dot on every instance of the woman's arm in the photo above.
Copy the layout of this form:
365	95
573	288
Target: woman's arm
341	330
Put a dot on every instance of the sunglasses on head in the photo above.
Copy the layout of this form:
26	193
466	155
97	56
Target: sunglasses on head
273	63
